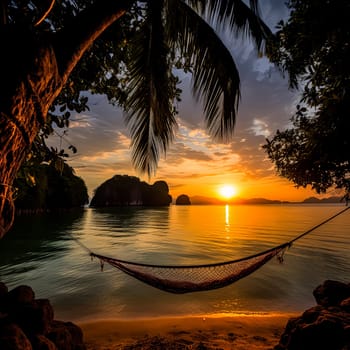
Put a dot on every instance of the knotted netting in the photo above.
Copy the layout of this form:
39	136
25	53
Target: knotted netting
193	278
181	279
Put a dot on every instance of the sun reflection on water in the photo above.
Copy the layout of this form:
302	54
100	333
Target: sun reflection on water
227	221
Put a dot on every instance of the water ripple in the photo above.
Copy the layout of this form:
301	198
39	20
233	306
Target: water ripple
42	252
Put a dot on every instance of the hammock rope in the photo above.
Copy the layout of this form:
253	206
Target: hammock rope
181	279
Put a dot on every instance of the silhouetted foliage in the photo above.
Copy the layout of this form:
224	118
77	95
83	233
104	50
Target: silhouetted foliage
50	188
313	47
147	42
128	50
124	190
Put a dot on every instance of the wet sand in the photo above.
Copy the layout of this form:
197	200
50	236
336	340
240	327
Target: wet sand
238	332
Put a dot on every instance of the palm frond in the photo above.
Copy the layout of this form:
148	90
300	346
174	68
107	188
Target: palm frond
149	102
215	79
243	19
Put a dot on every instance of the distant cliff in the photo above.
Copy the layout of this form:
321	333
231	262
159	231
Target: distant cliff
323	200
200	200
124	190
49	189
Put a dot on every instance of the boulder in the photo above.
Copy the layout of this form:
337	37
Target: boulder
345	304
3	295
3	290
13	338
76	334
60	336
20	295
66	336
40	342
27	323
325	326
34	318
331	293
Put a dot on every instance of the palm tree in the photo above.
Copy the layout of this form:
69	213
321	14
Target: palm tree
43	45
174	29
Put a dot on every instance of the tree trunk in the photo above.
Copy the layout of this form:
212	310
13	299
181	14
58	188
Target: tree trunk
30	83
32	78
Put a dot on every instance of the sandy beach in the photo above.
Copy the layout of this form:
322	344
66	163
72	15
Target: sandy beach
238	332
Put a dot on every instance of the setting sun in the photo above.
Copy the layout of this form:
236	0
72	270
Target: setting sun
227	191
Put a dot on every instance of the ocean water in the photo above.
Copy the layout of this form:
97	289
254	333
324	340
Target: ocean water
42	251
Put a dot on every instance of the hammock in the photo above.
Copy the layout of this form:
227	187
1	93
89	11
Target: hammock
194	278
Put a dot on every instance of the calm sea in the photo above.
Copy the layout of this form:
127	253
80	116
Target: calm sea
42	252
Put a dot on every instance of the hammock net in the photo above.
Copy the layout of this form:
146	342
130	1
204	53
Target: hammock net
193	278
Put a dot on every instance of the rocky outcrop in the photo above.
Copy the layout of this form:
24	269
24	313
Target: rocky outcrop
53	188
183	199
124	190
325	326
27	323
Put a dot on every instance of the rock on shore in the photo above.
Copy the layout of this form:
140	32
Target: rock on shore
325	326
27	323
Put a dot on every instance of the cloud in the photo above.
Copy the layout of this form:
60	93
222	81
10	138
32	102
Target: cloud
260	128
194	161
82	122
264	69
273	11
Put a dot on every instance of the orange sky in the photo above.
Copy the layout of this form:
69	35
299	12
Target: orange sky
196	176
194	164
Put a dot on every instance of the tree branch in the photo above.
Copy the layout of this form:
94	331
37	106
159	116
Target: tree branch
78	35
45	14
3	12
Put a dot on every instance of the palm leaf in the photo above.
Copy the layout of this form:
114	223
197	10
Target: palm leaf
215	78
243	20
150	94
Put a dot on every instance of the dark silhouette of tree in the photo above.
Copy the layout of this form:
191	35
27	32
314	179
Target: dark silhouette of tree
183	199
125	49
124	190
313	47
50	189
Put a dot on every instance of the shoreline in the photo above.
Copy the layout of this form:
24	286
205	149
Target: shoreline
220	331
